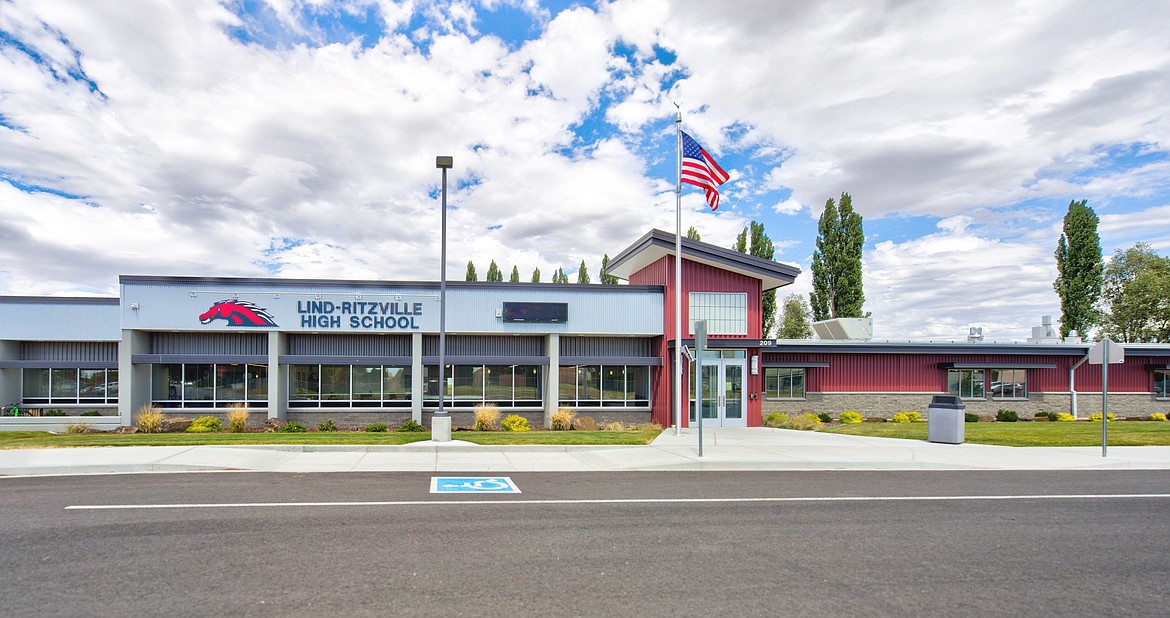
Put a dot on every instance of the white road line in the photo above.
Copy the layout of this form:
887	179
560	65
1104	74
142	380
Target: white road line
250	505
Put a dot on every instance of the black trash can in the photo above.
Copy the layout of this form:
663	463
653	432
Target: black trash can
944	419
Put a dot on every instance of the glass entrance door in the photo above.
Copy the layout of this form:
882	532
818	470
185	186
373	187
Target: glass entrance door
723	404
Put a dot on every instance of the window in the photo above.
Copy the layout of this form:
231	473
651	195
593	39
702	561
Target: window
966	383
784	383
1009	384
506	386
349	386
208	385
1162	384
67	386
605	385
726	313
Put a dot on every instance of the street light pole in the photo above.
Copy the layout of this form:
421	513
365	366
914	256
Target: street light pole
441	422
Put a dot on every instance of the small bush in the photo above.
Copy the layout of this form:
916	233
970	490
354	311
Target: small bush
90	413
645	427
327	425
149	419
849	417
613	426
205	424
411	426
77	428
486	417
293	427
805	422
1157	416
515	422
970	417
585	423
562	419
906	417
1109	417
237	417
1064	417
825	417
375	428
1006	416
777	420
53	413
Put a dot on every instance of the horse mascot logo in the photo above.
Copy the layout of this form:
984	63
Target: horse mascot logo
238	313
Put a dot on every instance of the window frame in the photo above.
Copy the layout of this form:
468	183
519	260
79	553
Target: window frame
772	391
972	381
996	376
66	375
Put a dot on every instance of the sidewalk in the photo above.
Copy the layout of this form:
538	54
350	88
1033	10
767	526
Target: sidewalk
723	449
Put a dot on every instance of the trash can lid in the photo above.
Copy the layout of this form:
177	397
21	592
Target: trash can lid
947	401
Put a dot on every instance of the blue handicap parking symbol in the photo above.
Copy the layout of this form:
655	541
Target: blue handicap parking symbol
473	485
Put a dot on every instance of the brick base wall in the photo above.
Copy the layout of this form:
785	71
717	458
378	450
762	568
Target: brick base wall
885	405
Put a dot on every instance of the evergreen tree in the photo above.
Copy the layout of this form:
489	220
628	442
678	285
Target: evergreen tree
471	275
1136	296
582	273
515	278
1079	269
536	275
796	320
836	264
561	277
607	278
693	234
494	273
754	241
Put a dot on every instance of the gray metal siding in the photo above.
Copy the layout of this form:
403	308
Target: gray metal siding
592	310
349	345
485	345
69	351
234	344
55	319
607	346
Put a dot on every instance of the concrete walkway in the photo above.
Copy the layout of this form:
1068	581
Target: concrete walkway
723	449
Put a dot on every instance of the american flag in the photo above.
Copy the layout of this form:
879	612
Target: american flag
699	169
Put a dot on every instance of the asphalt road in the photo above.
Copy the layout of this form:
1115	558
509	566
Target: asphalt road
576	544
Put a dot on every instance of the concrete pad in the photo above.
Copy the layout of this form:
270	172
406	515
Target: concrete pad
321	462
457	461
415	461
211	457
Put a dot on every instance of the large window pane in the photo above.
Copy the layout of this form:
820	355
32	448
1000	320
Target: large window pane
1162	384
112	385
258	383
306	383
229	383
567	385
498	383
63	384
91	385
198	382
613	384
784	382
527	385
367	382
334	382
396	383
167	383
725	313
588	385
637	386
1009	383
468	384
36	386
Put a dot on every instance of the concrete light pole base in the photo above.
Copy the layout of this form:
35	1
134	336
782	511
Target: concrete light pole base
441	428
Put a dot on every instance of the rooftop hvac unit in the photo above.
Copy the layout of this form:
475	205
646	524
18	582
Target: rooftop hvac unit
844	329
975	334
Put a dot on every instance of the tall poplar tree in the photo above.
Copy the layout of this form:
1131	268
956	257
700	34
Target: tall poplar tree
582	273
471	274
1079	269
693	234
607	278
836	263
515	278
493	273
536	275
754	241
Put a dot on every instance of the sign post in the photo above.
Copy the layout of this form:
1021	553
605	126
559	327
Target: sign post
1105	353
700	347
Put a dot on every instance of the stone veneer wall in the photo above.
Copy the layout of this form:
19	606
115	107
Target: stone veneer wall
885	405
357	419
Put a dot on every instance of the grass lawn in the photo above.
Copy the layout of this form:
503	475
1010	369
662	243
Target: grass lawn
1081	433
41	439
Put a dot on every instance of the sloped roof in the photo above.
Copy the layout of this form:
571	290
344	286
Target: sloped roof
656	244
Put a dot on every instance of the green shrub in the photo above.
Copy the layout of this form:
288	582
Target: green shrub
1064	417
777	420
515	422
1108	417
411	426
90	413
1006	416
1157	416
806	422
970	417
906	417
825	417
849	417
486	417
53	413
237	417
327	425
293	427
205	424
149	419
562	419
375	428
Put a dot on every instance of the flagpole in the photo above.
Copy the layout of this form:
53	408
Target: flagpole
678	341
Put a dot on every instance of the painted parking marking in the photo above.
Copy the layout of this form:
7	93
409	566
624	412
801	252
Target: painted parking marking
450	503
473	485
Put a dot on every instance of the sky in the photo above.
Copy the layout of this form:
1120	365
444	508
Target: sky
297	138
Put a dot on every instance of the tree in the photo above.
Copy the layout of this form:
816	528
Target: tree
582	273
605	277
560	277
1136	296
796	320
536	275
515	278
836	264
1079	269
494	273
752	240
471	275
693	234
